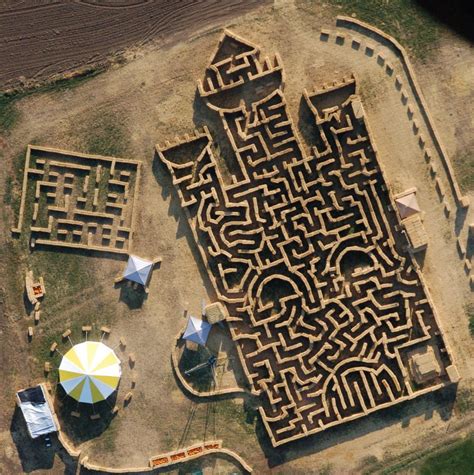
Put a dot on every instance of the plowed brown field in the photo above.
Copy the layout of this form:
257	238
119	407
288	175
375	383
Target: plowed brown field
39	39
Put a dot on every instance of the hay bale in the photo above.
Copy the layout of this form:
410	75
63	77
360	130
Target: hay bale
215	312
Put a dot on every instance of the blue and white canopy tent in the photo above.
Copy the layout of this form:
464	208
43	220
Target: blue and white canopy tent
197	331
138	270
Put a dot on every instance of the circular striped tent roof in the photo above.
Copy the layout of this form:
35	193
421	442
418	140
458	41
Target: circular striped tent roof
90	372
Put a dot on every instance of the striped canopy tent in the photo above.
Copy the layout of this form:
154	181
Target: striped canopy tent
90	372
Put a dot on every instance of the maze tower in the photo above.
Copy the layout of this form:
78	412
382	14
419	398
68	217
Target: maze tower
327	307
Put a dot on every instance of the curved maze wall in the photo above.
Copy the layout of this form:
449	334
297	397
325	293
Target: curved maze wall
326	305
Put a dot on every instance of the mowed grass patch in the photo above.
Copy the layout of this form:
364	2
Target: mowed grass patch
456	460
464	400
470	317
14	182
9	113
14	283
406	21
11	254
238	414
104	132
464	168
92	311
106	442
225	419
65	273
68	83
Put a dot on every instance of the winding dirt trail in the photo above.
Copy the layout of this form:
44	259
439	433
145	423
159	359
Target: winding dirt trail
39	39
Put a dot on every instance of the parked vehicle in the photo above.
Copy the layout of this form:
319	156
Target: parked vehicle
47	441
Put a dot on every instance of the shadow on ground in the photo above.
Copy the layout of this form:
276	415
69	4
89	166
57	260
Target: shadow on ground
133	297
163	179
32	452
83	428
441	402
79	252
212	463
456	14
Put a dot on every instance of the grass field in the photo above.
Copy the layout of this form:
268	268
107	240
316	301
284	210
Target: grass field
457	460
68	275
464	165
470	316
104	133
9	114
403	19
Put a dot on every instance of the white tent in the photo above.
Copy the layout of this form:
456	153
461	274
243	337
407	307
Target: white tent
197	330
36	411
407	205
138	270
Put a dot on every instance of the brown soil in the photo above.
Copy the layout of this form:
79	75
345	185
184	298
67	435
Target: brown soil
153	99
39	39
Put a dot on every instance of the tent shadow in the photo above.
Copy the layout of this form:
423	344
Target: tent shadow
201	380
133	298
83	428
32	453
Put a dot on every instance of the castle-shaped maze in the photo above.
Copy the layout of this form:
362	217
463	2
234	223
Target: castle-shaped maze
327	307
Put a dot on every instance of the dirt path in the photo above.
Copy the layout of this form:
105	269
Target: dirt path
39	39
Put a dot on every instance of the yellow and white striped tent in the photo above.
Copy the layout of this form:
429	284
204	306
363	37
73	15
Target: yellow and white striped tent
90	372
